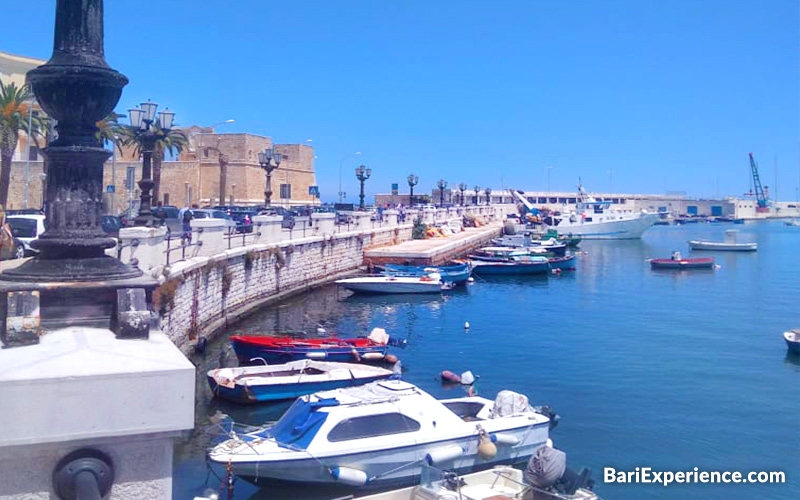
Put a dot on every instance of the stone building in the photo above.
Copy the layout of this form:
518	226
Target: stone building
210	161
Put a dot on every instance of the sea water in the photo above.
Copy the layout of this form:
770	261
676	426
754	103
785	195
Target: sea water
662	369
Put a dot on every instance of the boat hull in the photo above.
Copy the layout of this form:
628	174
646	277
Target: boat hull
792	339
249	353
392	467
276	392
725	247
620	229
682	264
392	287
458	274
485	268
566	263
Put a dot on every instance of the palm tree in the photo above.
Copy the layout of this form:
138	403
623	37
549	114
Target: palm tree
109	131
15	113
173	141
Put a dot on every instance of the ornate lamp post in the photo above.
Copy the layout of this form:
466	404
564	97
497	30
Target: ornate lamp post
462	187
488	192
77	88
265	160
442	185
362	173
142	119
413	180
477	189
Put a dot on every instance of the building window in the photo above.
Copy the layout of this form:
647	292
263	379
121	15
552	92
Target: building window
372	426
542	200
286	191
166	198
33	152
205	152
572	200
562	200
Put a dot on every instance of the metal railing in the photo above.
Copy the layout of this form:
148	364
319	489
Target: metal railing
186	238
244	231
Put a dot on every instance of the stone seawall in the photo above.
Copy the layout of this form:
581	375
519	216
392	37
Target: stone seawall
200	296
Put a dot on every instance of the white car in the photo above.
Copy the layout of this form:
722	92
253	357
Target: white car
26	228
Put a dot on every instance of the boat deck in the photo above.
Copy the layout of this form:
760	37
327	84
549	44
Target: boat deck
434	251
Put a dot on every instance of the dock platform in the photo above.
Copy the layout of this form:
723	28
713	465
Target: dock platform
434	251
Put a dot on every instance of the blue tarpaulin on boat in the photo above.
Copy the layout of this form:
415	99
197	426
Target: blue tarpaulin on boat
300	423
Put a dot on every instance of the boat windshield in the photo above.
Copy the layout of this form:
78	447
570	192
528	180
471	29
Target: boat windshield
298	426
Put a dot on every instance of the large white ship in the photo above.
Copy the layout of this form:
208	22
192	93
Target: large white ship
596	220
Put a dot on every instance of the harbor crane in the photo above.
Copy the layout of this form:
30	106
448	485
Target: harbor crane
762	204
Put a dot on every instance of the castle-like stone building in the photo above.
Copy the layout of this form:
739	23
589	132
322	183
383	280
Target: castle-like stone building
210	162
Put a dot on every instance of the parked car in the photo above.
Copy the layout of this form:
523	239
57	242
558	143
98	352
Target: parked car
210	213
288	215
111	225
243	216
26	228
171	217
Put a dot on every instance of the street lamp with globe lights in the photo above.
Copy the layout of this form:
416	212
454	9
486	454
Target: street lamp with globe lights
488	192
477	189
265	161
142	120
462	187
442	184
413	180
362	173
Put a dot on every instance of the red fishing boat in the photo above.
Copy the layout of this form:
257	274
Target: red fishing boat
252	349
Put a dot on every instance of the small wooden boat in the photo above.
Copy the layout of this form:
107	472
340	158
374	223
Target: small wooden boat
792	338
456	273
730	244
255	384
714	245
522	265
677	262
566	263
429	283
251	349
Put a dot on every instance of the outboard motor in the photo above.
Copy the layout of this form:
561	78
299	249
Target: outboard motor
549	413
547	469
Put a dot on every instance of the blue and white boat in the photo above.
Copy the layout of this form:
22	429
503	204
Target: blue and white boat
380	435
509	260
257	384
792	338
455	273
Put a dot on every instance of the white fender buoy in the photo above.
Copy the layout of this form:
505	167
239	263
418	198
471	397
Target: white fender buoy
487	449
470	280
372	355
443	454
507	439
466	325
317	355
467	378
352	477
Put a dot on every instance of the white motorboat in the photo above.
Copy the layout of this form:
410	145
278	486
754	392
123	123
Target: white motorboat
596	220
498	483
381	434
793	222
430	283
730	244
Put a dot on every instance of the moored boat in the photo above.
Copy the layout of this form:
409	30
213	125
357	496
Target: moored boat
722	246
678	262
455	273
250	349
380	435
255	384
566	263
792	338
428	283
508	260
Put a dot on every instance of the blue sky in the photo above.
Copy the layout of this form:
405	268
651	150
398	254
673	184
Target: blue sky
638	96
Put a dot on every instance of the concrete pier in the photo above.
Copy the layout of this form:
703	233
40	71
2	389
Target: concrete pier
434	251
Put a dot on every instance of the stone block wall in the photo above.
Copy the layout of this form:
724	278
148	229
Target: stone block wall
200	296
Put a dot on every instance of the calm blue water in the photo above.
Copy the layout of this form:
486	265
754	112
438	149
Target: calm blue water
671	370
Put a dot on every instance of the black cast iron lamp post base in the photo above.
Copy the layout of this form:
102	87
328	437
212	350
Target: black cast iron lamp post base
76	281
